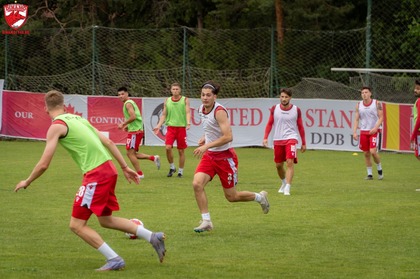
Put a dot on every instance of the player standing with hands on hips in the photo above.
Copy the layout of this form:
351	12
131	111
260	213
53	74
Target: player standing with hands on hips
89	149
217	157
287	122
133	124
370	115
415	135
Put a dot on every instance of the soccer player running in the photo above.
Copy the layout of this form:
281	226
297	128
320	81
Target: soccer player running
415	135
89	149
287	121
177	118
217	157
133	124
369	115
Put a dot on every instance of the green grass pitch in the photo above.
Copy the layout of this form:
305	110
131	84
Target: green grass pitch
334	225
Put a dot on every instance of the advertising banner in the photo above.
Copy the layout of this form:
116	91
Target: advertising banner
397	127
24	115
246	118
328	123
1	99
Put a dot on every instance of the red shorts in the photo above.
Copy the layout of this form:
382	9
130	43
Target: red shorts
134	140
97	193
285	151
222	163
368	141
178	134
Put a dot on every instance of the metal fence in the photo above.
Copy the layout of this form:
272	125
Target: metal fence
247	62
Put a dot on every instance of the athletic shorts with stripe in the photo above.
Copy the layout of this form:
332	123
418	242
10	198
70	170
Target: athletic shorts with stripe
134	140
97	193
222	163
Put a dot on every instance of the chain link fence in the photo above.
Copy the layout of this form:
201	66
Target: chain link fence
247	62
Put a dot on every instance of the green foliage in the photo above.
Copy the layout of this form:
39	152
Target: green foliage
394	30
406	18
230	49
334	225
81	46
323	14
240	14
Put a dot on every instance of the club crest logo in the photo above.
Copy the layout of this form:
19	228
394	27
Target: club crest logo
15	15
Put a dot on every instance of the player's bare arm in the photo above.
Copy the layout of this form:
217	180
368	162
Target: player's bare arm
224	124
161	119
356	123
223	121
380	119
54	133
188	112
201	141
265	142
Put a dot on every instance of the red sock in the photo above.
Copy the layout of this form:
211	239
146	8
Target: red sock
152	158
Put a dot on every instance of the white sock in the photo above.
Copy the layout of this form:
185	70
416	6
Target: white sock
172	166
107	251
369	170
205	216
283	182
144	233
257	197
379	166
181	171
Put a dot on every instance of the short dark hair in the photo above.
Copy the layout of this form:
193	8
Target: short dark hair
366	87
417	81
287	91
122	88
215	88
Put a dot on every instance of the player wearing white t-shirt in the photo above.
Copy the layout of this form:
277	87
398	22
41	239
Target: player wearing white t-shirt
287	122
368	118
